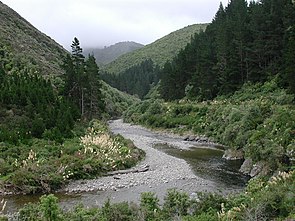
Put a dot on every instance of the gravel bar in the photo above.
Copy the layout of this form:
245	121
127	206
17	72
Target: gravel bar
165	171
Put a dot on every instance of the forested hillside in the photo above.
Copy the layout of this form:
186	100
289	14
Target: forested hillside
137	80
33	50
234	83
244	43
159	51
106	55
138	72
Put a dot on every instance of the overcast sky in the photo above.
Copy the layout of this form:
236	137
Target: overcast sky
100	23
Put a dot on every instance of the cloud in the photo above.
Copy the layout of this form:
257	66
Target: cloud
105	22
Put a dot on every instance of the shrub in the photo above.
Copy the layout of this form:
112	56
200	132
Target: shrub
208	203
49	207
30	212
119	211
176	203
149	205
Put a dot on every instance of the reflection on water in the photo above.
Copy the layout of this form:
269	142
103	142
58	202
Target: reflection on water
209	164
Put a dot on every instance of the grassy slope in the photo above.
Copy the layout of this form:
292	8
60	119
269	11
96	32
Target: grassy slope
160	51
28	43
117	101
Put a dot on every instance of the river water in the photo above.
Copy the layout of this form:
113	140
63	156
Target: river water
213	173
208	164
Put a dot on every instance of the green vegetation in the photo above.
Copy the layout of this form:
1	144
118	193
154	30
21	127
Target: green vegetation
259	119
271	199
29	45
42	165
159	52
137	80
35	51
106	55
116	102
82	83
241	45
43	142
30	107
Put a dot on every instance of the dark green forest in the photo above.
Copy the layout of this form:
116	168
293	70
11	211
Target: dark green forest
244	43
30	106
137	80
82	82
240	70
36	108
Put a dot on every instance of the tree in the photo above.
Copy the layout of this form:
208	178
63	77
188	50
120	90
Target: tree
75	81
95	102
289	58
82	82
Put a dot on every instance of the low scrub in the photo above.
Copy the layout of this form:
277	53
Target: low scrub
259	119
44	166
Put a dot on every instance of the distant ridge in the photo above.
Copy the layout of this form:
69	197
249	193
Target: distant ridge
108	54
159	51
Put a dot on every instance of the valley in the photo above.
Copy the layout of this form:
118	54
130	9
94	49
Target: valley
198	125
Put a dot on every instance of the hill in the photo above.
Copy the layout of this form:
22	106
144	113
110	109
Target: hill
41	110
106	55
159	52
29	44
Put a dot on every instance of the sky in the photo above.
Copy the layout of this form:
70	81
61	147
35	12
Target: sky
99	23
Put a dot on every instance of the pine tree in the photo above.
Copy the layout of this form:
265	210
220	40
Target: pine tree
75	79
95	101
288	66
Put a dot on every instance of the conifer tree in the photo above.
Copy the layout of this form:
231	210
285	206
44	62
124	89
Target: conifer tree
95	102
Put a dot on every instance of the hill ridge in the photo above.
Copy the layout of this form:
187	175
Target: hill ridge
108	54
29	42
170	44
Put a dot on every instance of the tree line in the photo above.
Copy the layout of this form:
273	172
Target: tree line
32	107
136	80
244	43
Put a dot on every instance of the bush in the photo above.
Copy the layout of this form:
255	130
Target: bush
176	203
149	206
49	207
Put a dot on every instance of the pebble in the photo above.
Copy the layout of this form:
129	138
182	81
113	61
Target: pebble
163	168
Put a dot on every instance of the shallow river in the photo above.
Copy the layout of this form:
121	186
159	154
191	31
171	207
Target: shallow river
209	171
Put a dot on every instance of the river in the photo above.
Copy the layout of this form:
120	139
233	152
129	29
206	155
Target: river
173	163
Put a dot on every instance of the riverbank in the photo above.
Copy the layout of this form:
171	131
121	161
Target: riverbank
164	171
157	173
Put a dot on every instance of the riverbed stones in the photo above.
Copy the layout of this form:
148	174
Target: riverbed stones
164	171
246	166
231	154
260	168
157	168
